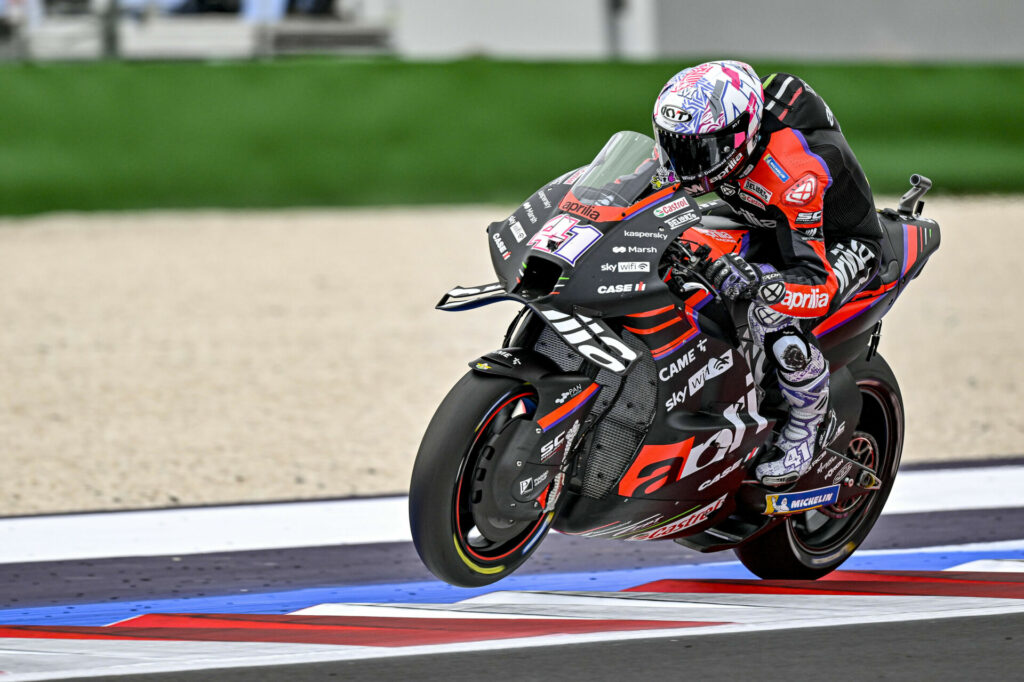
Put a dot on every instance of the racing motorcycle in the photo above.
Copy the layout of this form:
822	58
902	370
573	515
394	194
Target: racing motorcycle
624	402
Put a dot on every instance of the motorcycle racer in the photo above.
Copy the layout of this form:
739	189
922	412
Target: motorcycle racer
775	155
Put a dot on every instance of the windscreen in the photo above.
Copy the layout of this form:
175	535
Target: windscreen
621	172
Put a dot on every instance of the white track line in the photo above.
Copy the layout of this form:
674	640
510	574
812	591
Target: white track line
351	522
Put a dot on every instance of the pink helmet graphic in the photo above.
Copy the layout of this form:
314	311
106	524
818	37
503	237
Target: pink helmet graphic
706	121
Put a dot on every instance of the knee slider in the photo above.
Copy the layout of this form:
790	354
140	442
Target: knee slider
791	352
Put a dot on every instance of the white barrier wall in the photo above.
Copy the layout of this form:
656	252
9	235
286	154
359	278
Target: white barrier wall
923	30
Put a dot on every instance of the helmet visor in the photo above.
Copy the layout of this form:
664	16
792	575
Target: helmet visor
695	157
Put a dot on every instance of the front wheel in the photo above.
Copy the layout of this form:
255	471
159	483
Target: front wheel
809	545
457	542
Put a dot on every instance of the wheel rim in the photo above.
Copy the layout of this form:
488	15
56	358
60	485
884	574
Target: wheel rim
876	442
471	532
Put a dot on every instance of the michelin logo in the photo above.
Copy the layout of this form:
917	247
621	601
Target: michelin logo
790	503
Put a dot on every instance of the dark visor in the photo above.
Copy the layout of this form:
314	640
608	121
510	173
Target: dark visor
696	156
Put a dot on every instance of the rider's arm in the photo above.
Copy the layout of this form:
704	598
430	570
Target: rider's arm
808	277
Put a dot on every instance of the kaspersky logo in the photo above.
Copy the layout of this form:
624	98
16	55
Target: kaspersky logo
812	299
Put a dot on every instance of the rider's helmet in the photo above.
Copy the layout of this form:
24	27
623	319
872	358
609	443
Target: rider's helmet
706	121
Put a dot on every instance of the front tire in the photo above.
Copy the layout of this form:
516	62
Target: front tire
452	463
809	545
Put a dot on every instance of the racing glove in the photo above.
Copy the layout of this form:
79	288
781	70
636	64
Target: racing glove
735	278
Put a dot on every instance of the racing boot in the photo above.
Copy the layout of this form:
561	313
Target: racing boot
794	449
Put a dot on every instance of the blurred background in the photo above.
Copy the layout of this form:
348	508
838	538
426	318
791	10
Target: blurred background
211	291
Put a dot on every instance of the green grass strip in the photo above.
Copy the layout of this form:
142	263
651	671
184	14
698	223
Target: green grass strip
331	132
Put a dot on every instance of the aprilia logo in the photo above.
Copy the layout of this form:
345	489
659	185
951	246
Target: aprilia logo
812	299
581	209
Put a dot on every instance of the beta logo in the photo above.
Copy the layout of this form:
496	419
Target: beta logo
790	503
621	288
671	207
802	192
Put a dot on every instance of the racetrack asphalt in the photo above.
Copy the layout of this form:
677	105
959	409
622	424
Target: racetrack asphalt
101	590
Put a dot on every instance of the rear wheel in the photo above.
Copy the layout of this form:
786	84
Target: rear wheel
457	542
815	543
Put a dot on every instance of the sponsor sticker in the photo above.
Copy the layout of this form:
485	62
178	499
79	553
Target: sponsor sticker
517	230
682	362
754	201
671	207
808	299
621	288
528	207
808	218
644	235
776	168
802	192
580	209
791	503
675	114
626	266
697	517
758	190
715	367
681	220
500	243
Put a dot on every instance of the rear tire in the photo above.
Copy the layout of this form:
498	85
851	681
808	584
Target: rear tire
809	545
452	461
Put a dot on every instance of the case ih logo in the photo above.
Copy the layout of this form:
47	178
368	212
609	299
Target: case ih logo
675	114
580	209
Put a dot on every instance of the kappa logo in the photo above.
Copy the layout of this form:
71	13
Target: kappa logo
757	190
671	207
802	192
